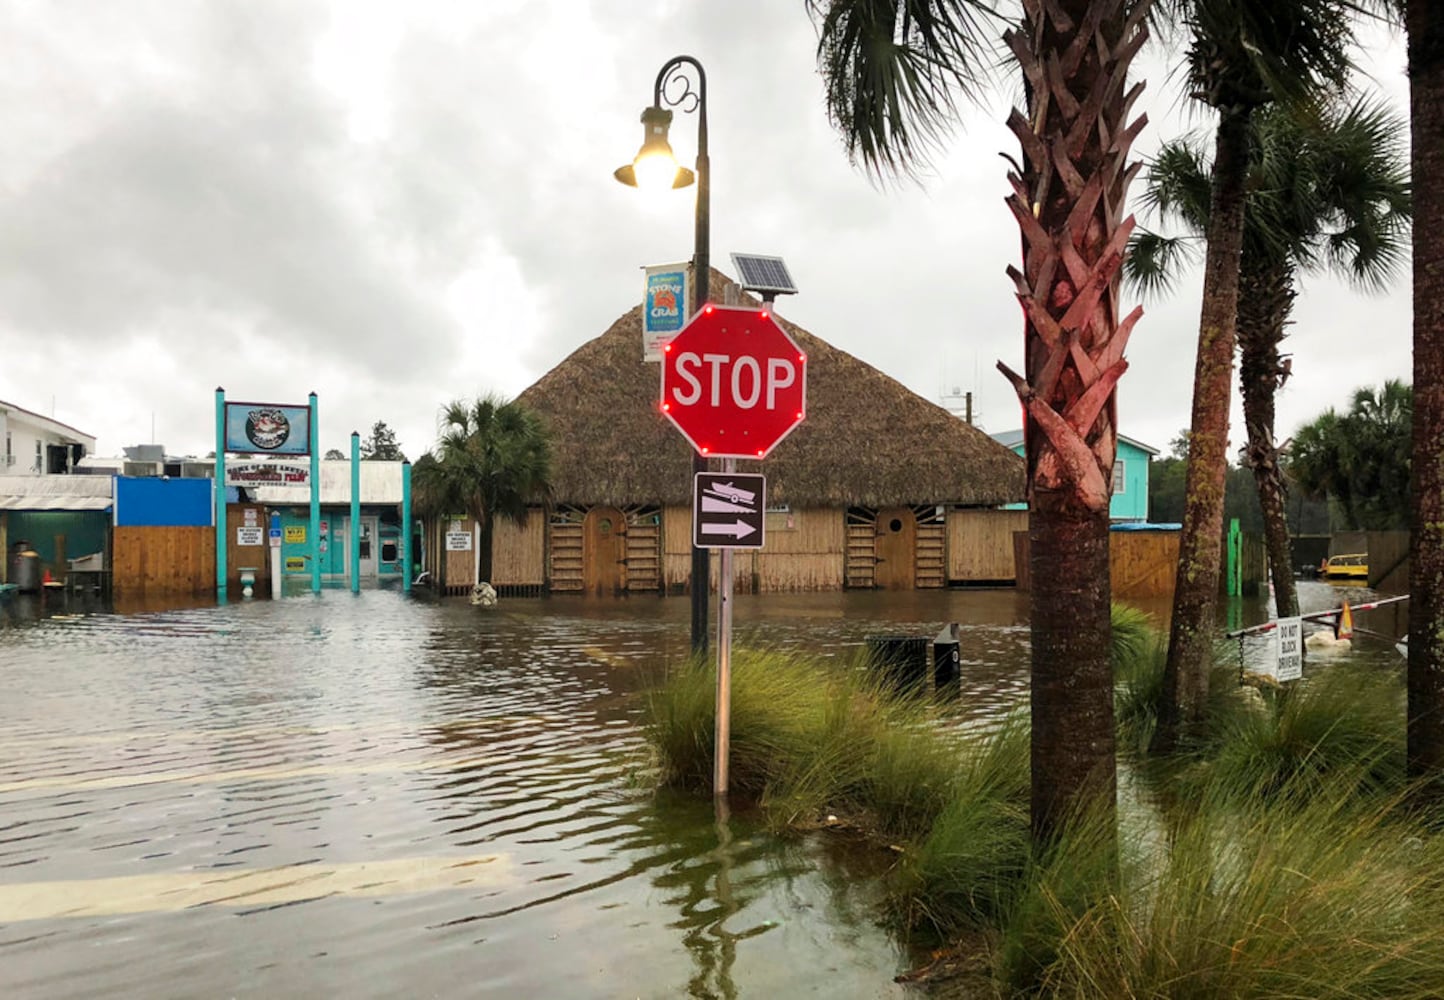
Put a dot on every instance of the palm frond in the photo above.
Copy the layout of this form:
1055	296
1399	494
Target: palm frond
1154	261
891	69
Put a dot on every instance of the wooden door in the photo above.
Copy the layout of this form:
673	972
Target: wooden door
897	531
604	551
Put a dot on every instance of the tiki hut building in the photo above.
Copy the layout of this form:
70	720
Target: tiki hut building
878	488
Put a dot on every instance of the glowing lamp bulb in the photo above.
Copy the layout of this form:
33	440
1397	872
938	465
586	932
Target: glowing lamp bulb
656	170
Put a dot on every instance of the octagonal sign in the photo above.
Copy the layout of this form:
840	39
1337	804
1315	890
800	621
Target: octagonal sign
734	382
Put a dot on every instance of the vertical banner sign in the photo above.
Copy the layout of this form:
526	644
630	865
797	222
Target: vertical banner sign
1291	649
665	306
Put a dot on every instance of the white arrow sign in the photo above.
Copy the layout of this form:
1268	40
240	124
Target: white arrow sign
740	529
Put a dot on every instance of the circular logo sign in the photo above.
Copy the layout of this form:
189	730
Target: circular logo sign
267	428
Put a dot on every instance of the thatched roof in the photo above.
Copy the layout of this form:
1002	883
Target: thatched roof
867	440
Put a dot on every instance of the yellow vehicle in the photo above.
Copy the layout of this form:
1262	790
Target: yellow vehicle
1353	566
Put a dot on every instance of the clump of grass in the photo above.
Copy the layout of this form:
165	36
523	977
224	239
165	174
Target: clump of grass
805	737
1139	653
1329	897
1341	721
966	870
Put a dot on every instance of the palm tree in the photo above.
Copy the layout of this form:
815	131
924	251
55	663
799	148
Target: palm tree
1361	459
493	458
891	68
1326	188
1424	20
1243	56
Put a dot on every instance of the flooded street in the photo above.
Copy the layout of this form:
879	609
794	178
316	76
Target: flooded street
378	796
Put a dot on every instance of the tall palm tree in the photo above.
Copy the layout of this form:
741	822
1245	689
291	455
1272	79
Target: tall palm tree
1326	188
1424	20
493	458
891	68
1243	55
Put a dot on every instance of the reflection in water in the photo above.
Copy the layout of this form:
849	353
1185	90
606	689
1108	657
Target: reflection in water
303	743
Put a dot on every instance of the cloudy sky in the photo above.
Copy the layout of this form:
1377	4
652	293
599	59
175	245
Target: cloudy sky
395	205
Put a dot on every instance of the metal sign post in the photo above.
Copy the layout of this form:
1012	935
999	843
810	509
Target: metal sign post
728	512
723	737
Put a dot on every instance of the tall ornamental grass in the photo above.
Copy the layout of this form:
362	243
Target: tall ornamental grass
1272	857
1299	895
807	737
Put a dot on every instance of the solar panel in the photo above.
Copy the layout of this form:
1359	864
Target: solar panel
763	274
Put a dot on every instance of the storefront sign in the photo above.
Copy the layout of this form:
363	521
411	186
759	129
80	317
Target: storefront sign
458	541
273	428
268	474
295	534
665	306
250	534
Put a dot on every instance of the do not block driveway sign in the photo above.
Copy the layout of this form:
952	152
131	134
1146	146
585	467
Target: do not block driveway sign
728	510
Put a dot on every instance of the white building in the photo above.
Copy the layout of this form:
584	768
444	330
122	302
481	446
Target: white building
36	445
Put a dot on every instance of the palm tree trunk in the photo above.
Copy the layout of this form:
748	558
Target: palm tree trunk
1068	199
1195	594
1266	297
1425	22
488	533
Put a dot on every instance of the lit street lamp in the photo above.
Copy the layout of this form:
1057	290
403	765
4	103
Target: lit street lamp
656	167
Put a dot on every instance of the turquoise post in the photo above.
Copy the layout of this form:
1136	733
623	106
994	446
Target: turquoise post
406	527
355	512
220	484
315	495
1235	569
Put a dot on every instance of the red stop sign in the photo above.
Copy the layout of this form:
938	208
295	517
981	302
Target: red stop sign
734	382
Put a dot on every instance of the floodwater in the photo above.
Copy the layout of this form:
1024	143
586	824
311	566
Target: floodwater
373	795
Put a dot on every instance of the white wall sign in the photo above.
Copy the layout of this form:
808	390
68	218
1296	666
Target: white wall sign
1291	649
458	541
251	534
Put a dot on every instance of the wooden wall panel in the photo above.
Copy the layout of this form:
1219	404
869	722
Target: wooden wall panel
806	556
518	553
980	544
1142	563
677	548
148	561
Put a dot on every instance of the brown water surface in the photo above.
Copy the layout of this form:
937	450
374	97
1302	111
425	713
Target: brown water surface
373	795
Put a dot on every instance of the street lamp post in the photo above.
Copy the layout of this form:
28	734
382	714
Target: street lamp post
655	165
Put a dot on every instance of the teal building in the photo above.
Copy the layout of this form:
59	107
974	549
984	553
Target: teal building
1130	476
379	541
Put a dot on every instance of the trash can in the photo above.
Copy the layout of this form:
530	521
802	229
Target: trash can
903	659
25	568
947	655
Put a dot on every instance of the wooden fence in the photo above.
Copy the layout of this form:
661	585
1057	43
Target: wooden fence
148	561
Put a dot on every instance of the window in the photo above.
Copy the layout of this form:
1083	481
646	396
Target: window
39	456
1118	478
9	454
